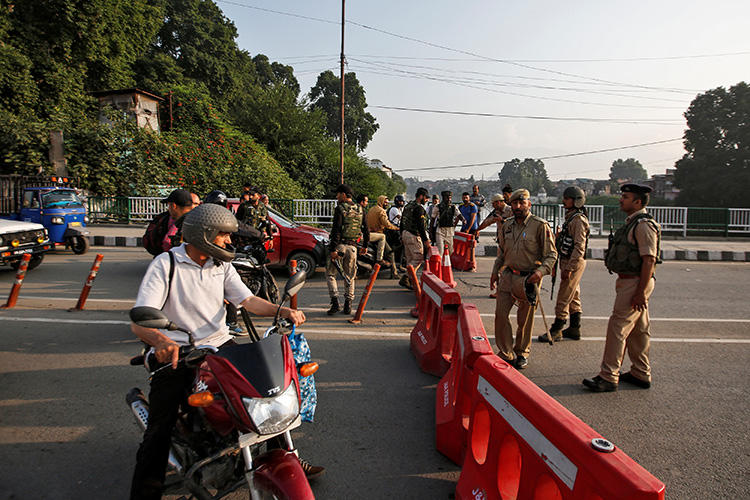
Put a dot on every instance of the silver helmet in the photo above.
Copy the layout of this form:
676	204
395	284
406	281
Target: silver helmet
201	226
576	194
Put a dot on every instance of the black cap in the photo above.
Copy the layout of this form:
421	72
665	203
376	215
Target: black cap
446	193
346	189
180	197
635	188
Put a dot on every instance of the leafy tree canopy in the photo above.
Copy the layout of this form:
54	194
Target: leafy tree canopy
629	170
359	125
715	171
529	174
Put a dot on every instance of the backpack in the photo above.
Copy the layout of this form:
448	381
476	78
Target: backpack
155	232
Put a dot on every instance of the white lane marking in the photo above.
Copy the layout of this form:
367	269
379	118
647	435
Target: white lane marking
361	333
395	311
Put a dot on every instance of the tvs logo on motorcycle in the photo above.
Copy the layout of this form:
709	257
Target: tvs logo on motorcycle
421	337
273	391
200	386
479	494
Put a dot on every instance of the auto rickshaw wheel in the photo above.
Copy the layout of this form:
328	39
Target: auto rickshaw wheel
79	244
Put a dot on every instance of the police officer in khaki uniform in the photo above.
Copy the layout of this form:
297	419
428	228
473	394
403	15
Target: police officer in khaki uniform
255	214
633	254
525	253
349	227
571	246
414	232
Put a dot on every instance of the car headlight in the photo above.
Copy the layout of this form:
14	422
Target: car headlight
58	220
271	415
86	219
321	238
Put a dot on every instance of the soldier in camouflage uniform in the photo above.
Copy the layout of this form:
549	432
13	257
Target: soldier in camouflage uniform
349	226
414	232
254	214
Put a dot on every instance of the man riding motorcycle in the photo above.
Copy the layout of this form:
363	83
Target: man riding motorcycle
189	282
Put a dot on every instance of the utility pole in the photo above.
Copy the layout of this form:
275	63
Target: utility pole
341	140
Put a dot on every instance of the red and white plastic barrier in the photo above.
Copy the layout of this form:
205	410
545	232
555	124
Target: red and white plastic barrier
16	288
523	444
462	257
433	261
453	398
89	283
433	336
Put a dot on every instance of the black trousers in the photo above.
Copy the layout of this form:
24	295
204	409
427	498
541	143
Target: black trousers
169	389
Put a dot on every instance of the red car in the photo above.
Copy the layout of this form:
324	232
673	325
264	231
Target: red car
305	244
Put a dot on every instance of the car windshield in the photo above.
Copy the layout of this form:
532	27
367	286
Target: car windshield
281	220
60	198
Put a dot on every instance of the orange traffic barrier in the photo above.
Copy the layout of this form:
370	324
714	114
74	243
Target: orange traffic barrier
20	275
417	289
463	252
453	399
446	269
357	319
292	272
433	261
89	283
432	338
523	444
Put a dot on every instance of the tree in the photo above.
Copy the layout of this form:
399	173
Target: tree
627	170
359	125
715	170
529	174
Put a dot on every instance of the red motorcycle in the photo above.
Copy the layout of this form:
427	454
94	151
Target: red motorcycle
244	395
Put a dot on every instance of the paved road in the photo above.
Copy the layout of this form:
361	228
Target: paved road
65	431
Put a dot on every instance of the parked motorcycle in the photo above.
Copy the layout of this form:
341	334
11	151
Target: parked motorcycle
250	262
244	395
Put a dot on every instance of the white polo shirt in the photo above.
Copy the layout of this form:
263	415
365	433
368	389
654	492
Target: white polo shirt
196	300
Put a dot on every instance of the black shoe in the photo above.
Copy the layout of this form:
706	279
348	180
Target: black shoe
521	362
334	306
405	282
629	378
347	306
554	331
598	384
311	471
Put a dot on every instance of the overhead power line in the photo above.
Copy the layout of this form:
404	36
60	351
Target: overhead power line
451	49
533	117
567	155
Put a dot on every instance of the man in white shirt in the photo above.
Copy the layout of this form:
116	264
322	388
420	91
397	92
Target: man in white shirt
189	284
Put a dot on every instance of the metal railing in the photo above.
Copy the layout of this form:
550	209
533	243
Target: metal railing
681	220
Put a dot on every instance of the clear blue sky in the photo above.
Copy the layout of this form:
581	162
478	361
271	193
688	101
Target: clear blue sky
550	38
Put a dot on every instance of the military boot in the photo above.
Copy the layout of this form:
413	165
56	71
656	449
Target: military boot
335	307
347	306
573	332
555	331
405	281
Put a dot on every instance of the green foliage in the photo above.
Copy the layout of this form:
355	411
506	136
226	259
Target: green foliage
529	174
630	170
715	171
23	144
359	125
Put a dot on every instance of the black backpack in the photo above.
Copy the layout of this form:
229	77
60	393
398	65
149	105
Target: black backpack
155	232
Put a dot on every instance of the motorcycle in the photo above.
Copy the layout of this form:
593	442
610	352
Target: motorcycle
250	262
243	396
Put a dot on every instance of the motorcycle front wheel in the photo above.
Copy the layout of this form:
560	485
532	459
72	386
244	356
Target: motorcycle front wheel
271	289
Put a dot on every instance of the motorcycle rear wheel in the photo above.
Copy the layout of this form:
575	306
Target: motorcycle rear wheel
271	289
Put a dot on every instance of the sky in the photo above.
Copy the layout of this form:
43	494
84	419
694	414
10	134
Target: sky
520	79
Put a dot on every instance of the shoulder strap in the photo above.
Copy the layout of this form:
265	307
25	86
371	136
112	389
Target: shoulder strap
171	275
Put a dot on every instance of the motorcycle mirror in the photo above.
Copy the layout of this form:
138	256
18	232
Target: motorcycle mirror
295	283
150	317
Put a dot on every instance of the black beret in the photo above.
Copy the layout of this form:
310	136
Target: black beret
635	188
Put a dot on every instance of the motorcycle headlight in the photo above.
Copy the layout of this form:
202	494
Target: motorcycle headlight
57	220
271	415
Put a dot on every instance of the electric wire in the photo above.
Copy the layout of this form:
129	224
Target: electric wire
552	157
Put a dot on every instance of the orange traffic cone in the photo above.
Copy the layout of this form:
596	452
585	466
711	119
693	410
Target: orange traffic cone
446	270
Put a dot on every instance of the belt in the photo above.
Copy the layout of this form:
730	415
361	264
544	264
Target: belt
519	273
628	276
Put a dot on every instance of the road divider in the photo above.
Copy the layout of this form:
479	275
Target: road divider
462	257
89	283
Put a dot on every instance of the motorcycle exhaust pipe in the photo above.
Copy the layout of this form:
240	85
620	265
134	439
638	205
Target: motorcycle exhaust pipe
139	406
